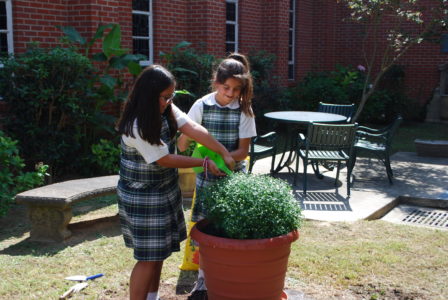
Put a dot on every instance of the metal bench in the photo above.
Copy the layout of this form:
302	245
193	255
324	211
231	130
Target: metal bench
50	206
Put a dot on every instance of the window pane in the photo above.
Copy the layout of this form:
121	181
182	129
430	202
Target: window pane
230	47
140	25
141	47
231	11
230	32
291	19
290	71
289	53
291	4
290	37
3	42
140	5
3	15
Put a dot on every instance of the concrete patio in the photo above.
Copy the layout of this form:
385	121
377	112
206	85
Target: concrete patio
417	180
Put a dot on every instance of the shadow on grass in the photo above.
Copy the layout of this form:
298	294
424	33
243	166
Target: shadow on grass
16	223
81	232
15	227
185	282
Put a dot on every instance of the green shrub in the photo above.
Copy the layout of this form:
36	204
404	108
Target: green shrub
268	96
247	206
193	71
49	95
344	86
12	179
262	64
106	155
57	98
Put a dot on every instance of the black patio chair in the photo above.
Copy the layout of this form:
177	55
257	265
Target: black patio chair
376	143
346	110
261	147
326	143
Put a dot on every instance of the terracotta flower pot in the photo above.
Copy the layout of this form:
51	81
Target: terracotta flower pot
187	181
243	269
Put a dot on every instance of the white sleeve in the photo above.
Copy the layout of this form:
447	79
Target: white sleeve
247	126
180	116
150	152
196	110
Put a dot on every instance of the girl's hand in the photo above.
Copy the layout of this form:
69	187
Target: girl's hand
230	162
214	169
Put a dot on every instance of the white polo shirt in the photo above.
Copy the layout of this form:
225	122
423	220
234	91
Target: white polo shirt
247	127
153	152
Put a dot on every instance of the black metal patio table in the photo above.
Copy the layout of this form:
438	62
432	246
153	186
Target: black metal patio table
289	125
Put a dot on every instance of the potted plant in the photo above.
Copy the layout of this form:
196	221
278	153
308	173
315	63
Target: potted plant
244	243
187	176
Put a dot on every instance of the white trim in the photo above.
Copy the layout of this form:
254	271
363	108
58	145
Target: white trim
234	23
9	27
149	37
293	41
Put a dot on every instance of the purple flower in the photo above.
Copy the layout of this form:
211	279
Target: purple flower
361	68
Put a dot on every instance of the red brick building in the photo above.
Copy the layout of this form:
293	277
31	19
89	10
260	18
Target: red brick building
305	35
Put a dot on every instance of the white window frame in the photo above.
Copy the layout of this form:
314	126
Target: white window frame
149	37
234	23
292	43
8	31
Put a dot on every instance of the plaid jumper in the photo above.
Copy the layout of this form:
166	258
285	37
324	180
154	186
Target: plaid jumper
223	124
150	204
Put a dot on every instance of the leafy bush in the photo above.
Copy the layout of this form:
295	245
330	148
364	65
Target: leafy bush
193	71
247	206
344	86
106	155
109	63
49	95
268	96
57	98
12	179
262	66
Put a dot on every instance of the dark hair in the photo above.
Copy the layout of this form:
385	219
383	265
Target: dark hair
237	66
143	105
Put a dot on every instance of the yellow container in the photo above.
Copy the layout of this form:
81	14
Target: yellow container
187	181
190	261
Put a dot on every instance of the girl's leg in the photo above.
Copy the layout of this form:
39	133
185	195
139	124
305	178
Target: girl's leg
145	278
154	284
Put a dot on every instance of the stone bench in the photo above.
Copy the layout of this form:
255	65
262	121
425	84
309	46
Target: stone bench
50	206
433	148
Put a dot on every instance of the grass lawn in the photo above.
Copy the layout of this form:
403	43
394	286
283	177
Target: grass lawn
408	132
360	260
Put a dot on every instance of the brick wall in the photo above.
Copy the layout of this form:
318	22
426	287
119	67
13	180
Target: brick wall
170	25
36	21
322	39
339	42
275	27
206	26
304	37
250	29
